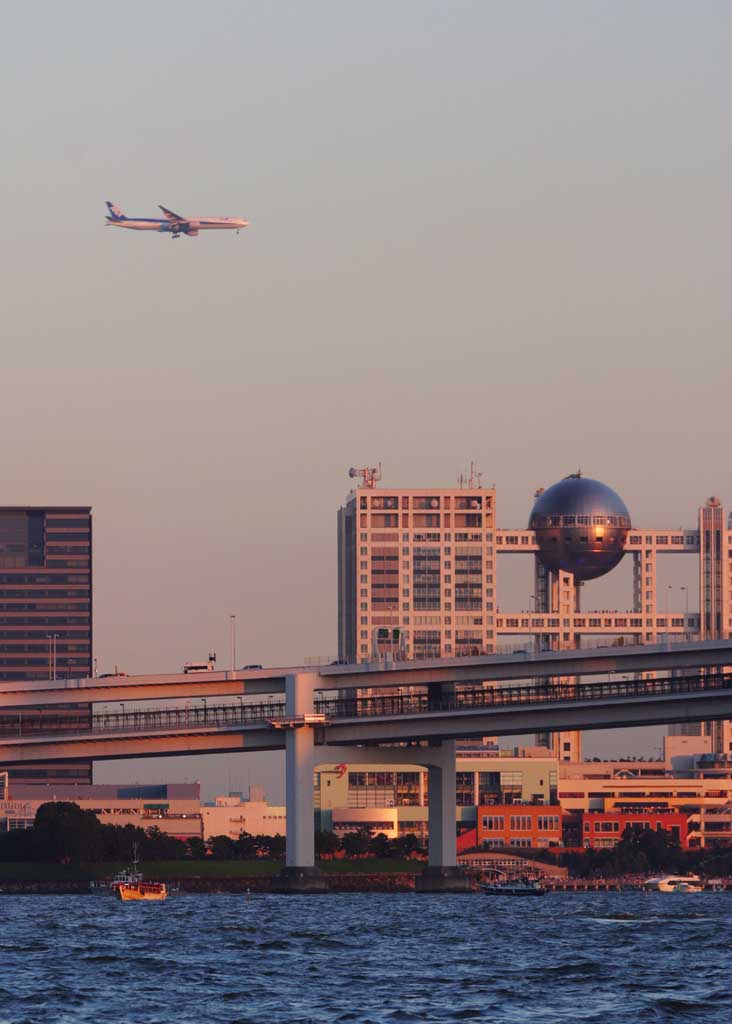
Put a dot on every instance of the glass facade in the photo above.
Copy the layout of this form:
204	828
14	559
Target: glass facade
46	617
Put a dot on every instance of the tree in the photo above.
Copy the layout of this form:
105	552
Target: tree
222	847
406	845
196	848
66	834
356	844
327	843
17	846
120	842
272	846
247	847
380	846
158	845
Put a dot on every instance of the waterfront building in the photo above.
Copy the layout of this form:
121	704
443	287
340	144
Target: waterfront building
604	829
510	864
394	800
46	613
173	808
231	815
520	825
700	788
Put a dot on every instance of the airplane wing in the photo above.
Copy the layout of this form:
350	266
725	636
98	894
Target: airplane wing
174	218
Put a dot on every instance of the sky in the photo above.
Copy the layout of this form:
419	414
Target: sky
479	230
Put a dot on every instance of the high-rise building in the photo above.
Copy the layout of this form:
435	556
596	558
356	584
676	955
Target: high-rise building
415	572
46	613
417	578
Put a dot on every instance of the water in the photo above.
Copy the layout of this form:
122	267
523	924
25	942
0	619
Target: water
368	959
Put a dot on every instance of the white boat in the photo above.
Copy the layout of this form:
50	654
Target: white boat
513	887
674	883
110	886
127	876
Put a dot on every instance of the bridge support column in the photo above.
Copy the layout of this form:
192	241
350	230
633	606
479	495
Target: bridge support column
300	874
442	873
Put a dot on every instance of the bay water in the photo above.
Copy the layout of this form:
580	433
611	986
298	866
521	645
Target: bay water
367	958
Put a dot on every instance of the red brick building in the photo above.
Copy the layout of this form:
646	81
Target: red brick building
603	829
535	826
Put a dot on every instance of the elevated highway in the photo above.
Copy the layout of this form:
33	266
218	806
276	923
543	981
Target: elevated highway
503	710
322	719
591	661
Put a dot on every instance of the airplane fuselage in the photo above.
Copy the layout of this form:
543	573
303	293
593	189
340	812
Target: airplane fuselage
192	226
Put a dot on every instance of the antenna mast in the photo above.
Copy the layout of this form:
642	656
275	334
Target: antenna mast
473	480
369	474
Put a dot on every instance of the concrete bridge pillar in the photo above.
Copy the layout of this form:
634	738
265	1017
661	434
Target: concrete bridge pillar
442	873
300	873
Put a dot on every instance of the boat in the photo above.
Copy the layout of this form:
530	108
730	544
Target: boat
129	885
513	887
130	892
108	887
674	883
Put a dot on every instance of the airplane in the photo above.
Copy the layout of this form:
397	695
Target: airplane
173	224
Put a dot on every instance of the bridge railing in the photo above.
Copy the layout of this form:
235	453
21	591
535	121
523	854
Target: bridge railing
539	693
163	719
479	698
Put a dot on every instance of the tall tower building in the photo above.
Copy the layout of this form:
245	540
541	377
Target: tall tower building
715	571
715	590
415	571
46	613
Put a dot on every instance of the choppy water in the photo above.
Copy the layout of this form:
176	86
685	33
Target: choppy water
370	959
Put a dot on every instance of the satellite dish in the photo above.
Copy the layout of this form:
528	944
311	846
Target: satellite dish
352	472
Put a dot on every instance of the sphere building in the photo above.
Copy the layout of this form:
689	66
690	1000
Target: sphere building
581	526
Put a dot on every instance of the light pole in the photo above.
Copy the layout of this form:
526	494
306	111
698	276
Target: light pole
232	638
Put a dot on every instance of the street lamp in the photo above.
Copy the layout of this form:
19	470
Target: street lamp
232	637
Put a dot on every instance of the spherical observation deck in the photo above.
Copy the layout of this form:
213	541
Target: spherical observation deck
581	526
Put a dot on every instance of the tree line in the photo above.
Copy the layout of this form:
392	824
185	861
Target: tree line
64	833
642	851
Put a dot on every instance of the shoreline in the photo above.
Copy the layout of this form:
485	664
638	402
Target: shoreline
380	882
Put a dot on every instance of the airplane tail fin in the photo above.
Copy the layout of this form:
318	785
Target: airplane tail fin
114	212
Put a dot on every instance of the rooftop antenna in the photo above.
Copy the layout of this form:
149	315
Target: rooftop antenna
369	474
472	480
